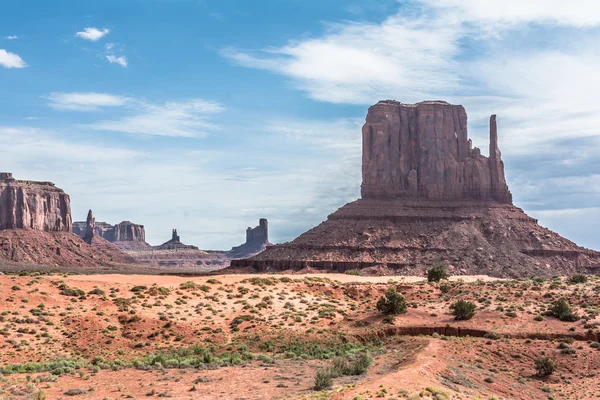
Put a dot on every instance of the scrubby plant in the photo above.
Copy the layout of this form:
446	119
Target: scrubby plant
544	366
323	379
561	310
437	273
578	278
463	310
392	303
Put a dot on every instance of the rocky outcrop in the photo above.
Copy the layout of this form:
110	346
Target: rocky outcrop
125	231
257	239
90	226
33	205
423	150
428	196
175	244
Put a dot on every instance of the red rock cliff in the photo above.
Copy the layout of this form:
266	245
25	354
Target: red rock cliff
423	150
34	205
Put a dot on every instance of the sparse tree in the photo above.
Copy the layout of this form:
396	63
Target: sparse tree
392	303
437	273
463	310
544	366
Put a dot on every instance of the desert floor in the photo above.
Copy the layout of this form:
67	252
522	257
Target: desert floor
268	336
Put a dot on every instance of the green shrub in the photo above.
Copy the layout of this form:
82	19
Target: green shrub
578	278
392	303
444	288
437	273
544	366
561	310
188	285
324	379
353	272
463	310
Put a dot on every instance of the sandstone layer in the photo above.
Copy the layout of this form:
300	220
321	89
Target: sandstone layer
423	151
33	205
428	197
257	240
125	235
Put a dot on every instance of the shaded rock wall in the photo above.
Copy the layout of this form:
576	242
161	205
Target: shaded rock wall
423	150
125	231
257	239
33	205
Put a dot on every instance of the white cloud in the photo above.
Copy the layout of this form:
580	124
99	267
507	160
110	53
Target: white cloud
578	13
12	37
43	146
122	60
176	119
89	101
11	60
93	34
356	62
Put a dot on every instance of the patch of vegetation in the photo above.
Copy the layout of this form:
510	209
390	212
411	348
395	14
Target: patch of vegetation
392	303
544	366
463	310
437	273
353	272
561	310
578	278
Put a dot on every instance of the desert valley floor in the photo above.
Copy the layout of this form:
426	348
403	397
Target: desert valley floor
269	336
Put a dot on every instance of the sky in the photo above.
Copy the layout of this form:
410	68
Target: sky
206	115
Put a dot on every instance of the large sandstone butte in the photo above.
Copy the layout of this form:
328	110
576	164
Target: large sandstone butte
35	228
125	235
34	205
428	196
257	240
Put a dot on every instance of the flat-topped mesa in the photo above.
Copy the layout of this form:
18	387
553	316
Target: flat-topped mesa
125	231
423	151
33	205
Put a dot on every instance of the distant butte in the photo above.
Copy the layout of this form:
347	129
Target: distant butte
428	195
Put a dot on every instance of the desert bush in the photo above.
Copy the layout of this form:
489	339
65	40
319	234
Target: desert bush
544	366
444	288
463	310
188	285
324	379
392	303
561	310
351	366
437	273
578	278
353	272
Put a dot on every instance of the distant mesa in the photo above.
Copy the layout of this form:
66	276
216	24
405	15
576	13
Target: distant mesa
35	228
33	205
428	196
175	244
125	235
257	240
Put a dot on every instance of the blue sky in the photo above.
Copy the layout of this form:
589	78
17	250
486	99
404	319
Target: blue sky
206	115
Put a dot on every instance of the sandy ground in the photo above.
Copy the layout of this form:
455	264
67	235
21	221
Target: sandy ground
129	317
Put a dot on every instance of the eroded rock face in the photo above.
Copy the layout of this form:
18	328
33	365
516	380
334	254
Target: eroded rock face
125	231
423	150
257	239
33	205
89	228
175	244
428	196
